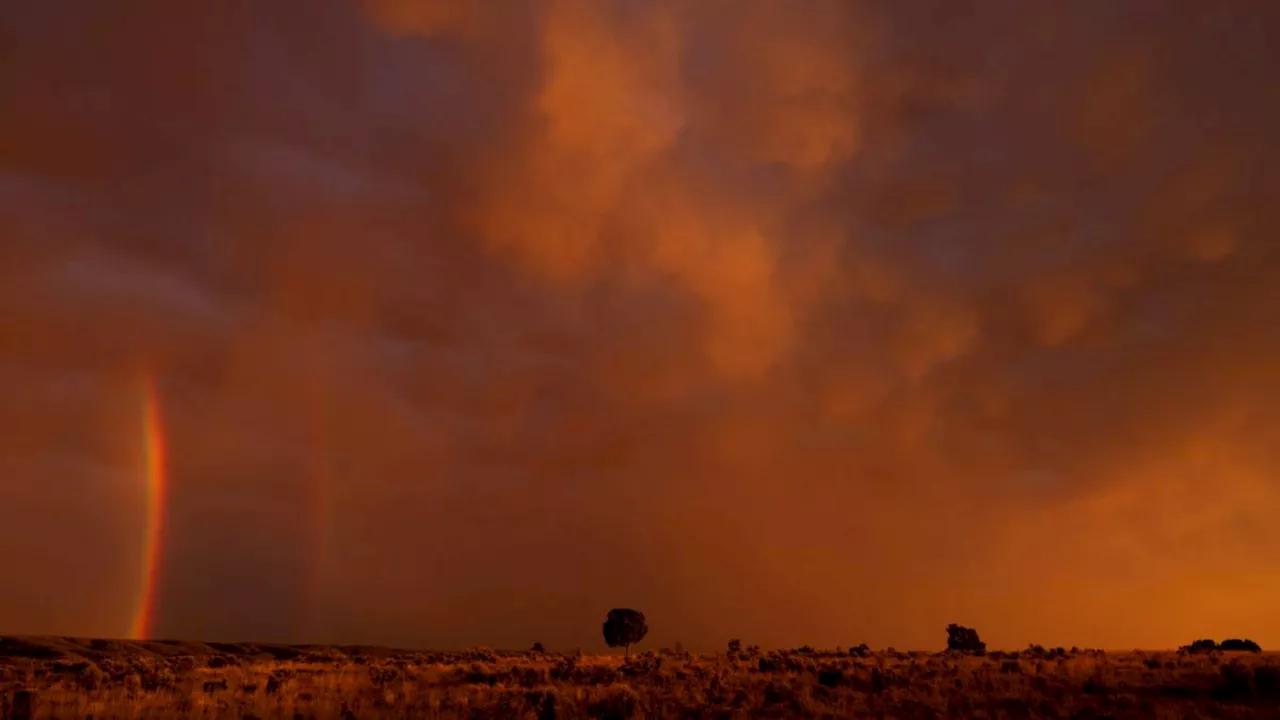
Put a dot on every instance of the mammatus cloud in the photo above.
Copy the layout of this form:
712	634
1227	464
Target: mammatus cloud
471	320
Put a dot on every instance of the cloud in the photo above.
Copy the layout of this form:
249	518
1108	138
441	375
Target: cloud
472	320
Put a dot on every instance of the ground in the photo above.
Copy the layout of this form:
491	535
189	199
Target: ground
72	678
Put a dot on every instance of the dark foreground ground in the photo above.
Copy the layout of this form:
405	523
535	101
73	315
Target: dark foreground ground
69	678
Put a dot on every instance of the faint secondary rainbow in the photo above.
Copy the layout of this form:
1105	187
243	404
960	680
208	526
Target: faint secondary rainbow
156	490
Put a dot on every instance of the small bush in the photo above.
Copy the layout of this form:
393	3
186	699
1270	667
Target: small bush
1237	680
1266	679
619	702
831	677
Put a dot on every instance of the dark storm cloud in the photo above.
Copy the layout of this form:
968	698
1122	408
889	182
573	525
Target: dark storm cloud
472	320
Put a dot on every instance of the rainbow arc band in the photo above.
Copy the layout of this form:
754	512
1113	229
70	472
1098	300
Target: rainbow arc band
153	453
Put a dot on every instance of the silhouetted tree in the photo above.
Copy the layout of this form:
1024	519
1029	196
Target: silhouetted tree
624	627
965	640
1240	645
537	647
1199	646
735	646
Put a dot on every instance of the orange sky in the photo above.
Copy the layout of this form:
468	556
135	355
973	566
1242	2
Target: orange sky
473	319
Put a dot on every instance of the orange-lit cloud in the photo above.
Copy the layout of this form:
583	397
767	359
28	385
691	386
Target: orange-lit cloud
472	320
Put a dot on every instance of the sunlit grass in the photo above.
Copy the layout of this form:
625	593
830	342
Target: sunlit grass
75	679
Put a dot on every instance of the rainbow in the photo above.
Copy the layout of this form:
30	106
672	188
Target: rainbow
153	540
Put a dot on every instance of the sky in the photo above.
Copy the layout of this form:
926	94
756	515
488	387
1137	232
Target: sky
794	321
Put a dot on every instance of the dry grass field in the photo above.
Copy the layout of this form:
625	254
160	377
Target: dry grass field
69	678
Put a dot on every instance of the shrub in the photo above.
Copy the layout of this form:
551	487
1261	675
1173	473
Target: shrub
619	702
1237	680
831	676
1266	679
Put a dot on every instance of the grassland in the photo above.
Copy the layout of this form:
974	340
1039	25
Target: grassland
70	678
